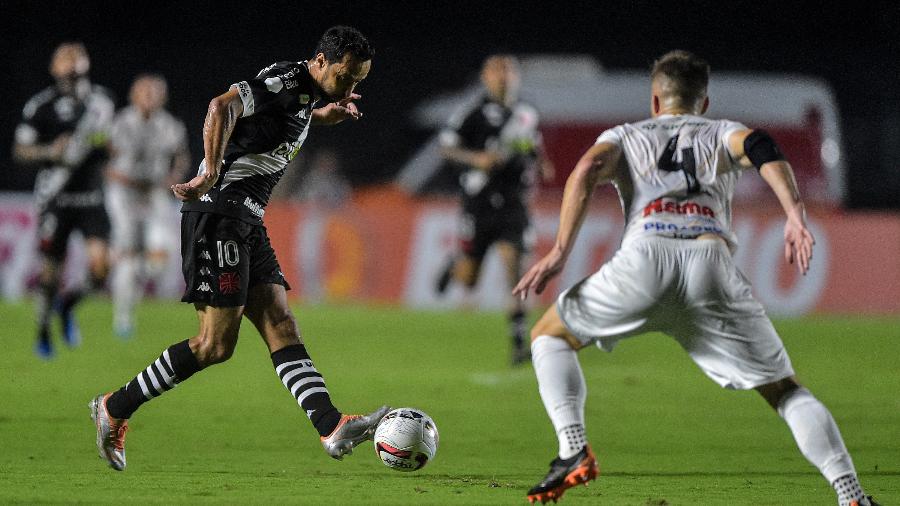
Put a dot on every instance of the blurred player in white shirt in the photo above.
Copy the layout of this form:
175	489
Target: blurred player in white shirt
674	273
150	153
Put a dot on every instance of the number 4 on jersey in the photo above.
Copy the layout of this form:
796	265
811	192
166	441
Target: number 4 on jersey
687	165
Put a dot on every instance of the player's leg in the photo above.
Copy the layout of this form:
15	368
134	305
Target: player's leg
511	255
267	307
465	266
48	285
94	224
563	391
515	238
736	345
817	435
214	343
53	231
125	221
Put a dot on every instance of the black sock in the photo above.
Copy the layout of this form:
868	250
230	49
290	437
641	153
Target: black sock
175	365
45	296
68	300
300	377
517	328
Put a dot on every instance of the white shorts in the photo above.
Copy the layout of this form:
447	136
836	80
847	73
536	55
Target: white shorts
690	290
141	220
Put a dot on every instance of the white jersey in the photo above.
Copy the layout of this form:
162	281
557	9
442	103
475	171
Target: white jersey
680	176
143	148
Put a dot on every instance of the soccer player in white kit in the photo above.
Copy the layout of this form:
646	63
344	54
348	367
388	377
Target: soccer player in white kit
674	273
149	154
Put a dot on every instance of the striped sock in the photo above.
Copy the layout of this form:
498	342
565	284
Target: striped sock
176	364
303	381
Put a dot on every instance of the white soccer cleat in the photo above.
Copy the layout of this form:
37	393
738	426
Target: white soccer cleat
110	433
350	432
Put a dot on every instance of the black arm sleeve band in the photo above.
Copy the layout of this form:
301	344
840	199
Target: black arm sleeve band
761	148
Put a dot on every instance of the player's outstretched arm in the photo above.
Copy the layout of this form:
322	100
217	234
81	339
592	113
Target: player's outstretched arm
221	117
756	148
596	166
336	112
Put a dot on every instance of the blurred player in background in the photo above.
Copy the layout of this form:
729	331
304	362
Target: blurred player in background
149	154
674	273
64	132
498	142
251	133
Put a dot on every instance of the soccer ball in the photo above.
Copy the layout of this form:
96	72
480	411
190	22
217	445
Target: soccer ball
406	439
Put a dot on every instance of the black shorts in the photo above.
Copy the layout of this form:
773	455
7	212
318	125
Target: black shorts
223	257
55	225
482	229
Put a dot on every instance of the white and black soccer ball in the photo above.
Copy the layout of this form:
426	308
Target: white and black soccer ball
406	439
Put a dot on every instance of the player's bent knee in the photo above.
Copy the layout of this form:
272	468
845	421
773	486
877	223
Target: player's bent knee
212	349
774	392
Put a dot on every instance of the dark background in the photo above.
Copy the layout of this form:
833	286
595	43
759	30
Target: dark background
426	48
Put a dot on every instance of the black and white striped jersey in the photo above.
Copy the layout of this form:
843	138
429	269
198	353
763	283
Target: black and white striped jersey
278	105
86	116
511	131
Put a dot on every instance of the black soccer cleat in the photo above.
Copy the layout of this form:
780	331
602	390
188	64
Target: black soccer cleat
565	474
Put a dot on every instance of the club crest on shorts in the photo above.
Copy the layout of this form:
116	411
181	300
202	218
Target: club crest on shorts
229	283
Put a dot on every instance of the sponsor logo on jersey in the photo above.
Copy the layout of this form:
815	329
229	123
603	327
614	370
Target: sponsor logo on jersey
229	283
205	198
204	287
204	255
681	230
204	271
254	207
670	206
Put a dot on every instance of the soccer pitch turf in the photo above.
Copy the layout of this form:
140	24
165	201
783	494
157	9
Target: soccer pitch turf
663	433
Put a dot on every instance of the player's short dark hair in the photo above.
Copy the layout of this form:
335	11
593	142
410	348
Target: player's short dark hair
340	40
687	75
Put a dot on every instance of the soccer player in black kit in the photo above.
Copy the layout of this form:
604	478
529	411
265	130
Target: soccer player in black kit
64	132
498	143
250	134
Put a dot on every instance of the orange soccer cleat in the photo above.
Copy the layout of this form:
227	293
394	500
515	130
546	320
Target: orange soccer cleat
565	474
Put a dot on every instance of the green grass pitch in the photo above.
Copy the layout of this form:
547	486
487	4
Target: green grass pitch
664	433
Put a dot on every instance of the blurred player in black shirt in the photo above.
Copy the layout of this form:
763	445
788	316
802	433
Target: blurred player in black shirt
498	143
64	132
250	134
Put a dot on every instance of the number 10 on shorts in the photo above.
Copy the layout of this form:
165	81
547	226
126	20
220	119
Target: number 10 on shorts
228	253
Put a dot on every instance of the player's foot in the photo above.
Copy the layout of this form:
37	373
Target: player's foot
110	433
565	474
43	348
351	431
71	332
865	501
123	328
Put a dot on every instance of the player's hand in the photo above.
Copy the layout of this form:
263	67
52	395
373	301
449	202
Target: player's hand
341	110
57	148
486	160
540	274
798	243
195	188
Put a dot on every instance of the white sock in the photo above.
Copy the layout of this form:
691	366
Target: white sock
819	439
124	288
847	489
562	388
